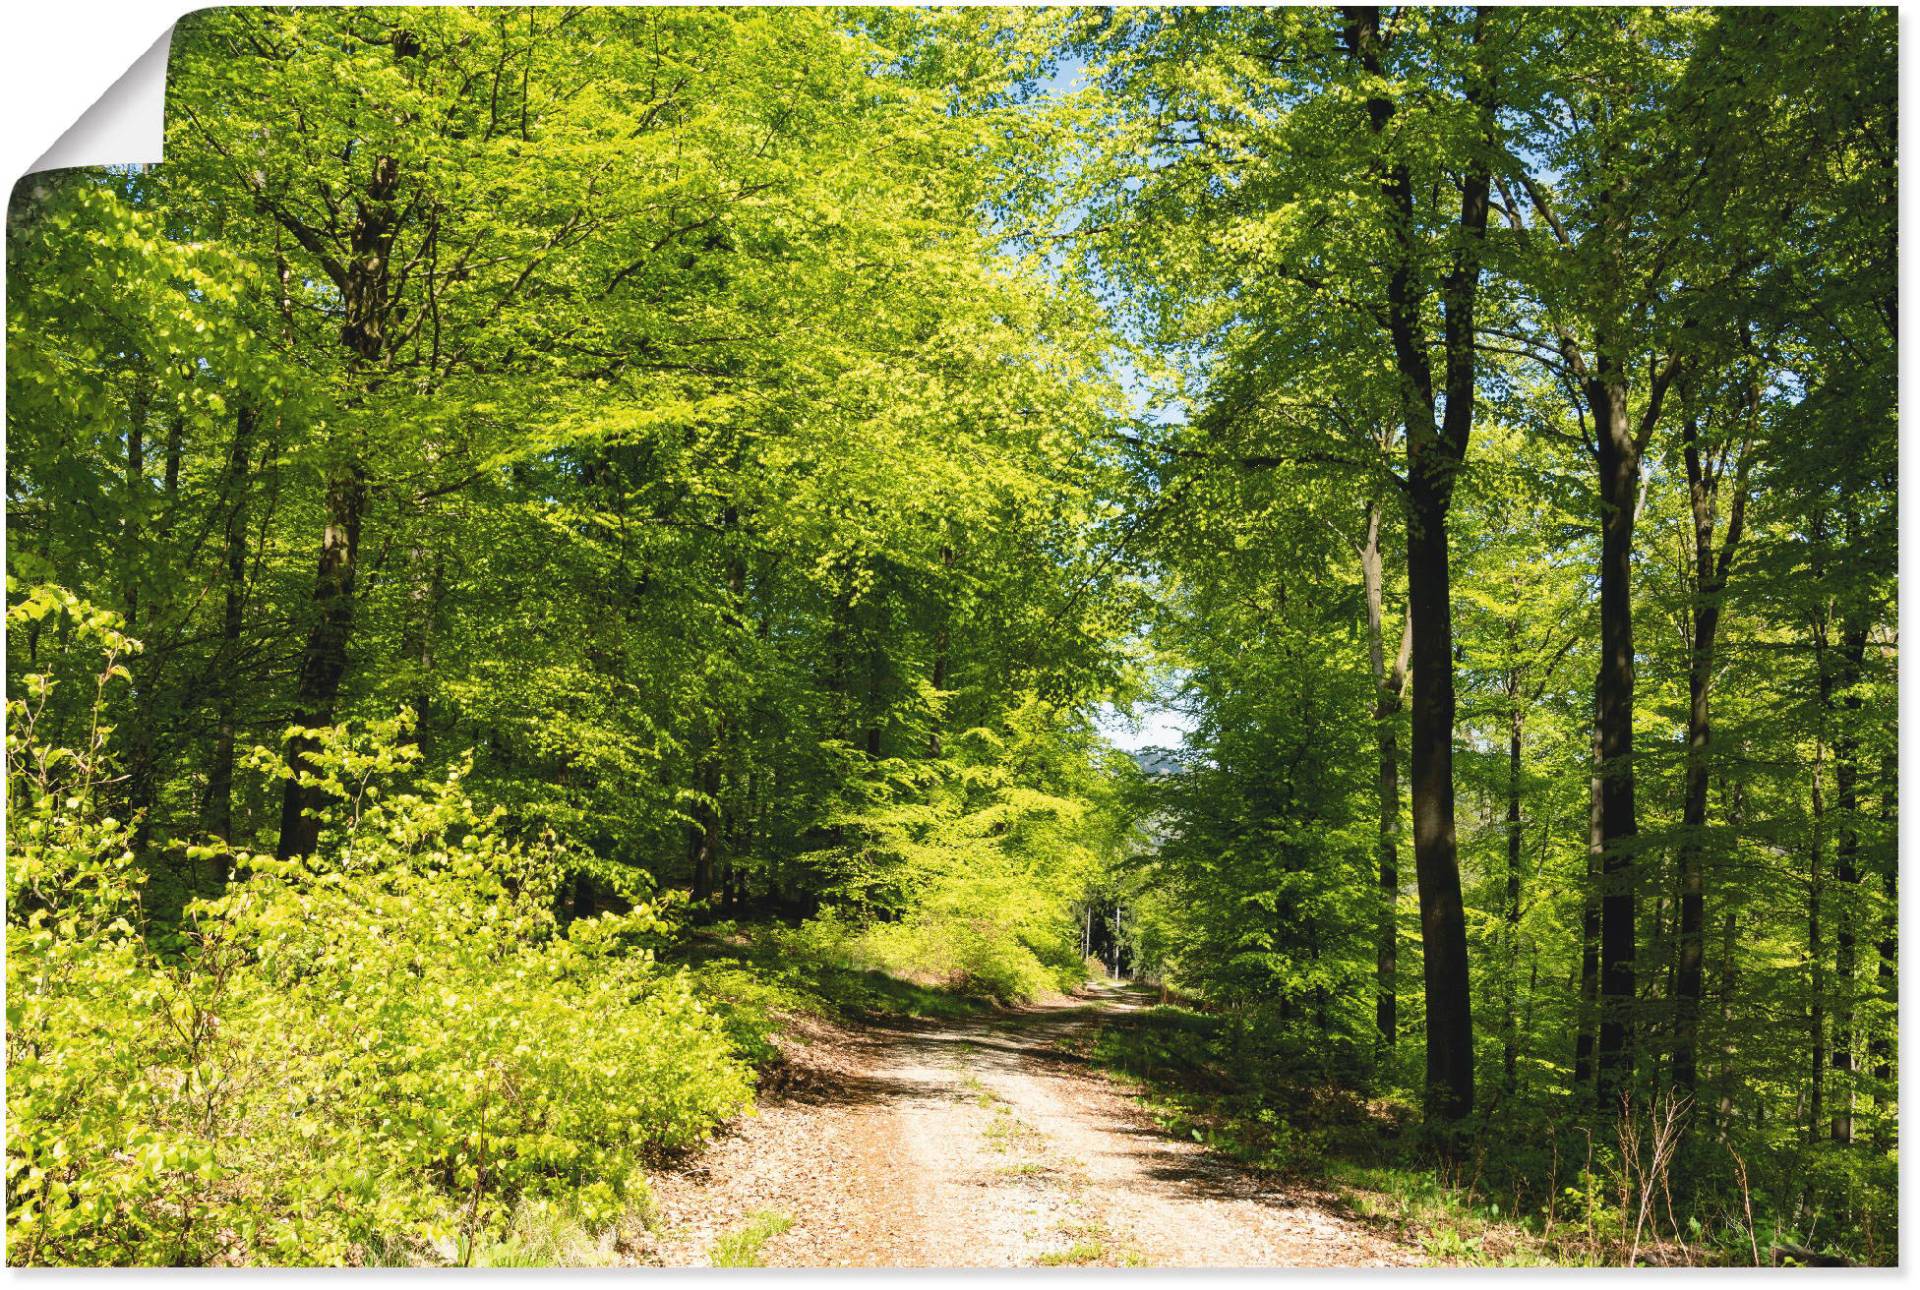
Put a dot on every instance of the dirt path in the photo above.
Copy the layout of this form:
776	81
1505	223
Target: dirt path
984	1143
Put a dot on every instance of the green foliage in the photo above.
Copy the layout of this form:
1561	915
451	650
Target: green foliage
371	1056
962	872
743	447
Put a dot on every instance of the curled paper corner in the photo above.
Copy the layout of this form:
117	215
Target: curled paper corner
126	125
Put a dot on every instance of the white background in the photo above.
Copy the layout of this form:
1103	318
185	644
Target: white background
57	58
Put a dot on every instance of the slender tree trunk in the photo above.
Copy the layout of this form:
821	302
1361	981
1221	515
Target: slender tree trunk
941	643
219	808
1510	1033
1846	781
324	660
133	540
1710	580
1816	949
1886	1094
1583	1044
1388	687
364	289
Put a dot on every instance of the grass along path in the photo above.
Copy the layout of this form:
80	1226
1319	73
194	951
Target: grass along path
981	1142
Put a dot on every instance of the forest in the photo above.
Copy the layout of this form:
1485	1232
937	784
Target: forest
547	547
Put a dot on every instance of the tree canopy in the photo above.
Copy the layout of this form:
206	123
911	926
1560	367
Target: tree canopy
512	472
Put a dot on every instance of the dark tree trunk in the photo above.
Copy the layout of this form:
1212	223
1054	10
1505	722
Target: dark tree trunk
1436	447
324	659
1816	948
219	807
1619	468
1436	865
1846	872
133	540
942	642
365	302
1710	581
1510	1033
1583	1043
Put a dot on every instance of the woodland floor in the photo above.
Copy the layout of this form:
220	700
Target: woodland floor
985	1143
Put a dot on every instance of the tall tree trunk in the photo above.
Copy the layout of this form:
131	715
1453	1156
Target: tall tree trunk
365	302
1885	1093
1710	581
942	642
1619	470
323	661
1589	1010
1816	951
219	801
1388	684
133	541
1436	865
1846	873
1509	1021
1436	447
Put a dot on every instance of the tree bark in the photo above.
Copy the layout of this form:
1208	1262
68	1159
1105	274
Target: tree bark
1509	1029
324	658
219	807
1589	1010
1619	476
1710	581
942	642
1846	872
365	302
1436	447
1816	948
133	539
1436	864
1389	684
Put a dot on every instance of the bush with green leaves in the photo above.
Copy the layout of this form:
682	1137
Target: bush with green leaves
373	1054
962	871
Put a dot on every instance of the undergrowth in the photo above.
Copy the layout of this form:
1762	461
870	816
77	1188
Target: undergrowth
741	1247
1557	1188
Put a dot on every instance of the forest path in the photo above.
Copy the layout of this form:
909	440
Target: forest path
985	1143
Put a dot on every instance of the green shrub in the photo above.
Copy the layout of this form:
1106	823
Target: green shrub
375	1054
966	941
